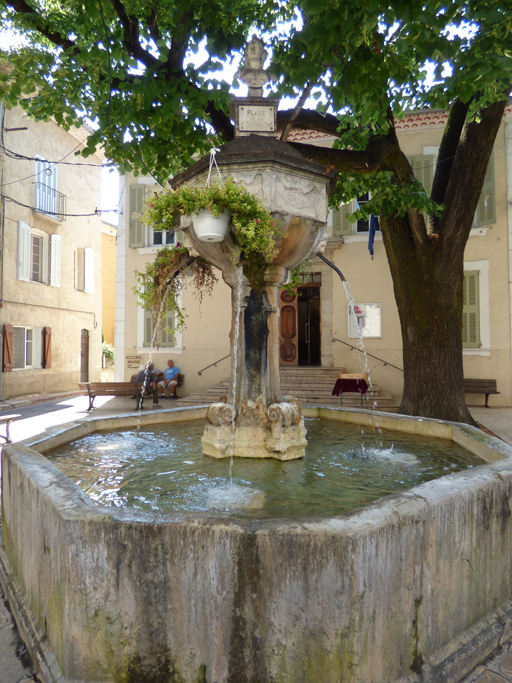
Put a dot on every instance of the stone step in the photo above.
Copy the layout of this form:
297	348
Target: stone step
311	385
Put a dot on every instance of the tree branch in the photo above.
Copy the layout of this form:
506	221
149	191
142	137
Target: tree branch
310	120
131	40
347	160
448	149
468	174
288	125
41	26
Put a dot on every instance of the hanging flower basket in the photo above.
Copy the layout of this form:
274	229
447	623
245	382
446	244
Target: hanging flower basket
210	228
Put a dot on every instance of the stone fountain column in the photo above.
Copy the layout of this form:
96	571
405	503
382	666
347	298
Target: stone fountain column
257	421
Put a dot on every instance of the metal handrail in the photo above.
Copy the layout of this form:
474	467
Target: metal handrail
367	354
212	364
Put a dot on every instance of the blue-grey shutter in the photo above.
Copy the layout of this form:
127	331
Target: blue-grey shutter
137	229
471	310
340	223
486	209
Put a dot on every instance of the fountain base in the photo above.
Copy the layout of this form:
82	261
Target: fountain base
278	432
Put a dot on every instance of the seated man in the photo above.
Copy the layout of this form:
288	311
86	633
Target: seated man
170	380
148	378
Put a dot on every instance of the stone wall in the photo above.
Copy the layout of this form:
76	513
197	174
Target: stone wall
397	592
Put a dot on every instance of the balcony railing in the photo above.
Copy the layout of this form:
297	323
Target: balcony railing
50	202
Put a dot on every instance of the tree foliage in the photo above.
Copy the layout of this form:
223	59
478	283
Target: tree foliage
125	65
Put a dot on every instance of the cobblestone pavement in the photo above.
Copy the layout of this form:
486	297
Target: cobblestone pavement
39	412
15	665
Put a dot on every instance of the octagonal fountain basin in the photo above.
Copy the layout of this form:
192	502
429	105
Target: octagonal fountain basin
415	586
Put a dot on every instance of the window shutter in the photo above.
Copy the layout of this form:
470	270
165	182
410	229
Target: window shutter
470	310
18	348
47	349
148	327
423	166
23	251
80	268
8	348
88	270
168	322
137	231
37	348
340	223
486	209
55	259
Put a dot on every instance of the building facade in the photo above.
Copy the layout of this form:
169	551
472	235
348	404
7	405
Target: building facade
50	268
326	320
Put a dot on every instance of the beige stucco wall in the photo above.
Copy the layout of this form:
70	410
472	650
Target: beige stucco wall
205	338
65	309
108	281
203	341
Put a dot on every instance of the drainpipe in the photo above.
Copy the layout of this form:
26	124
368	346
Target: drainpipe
331	264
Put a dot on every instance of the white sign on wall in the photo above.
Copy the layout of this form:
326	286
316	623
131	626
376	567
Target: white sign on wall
365	317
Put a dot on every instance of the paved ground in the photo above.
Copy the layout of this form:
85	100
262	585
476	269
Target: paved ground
40	412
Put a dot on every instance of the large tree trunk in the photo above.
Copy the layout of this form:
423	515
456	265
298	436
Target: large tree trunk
429	300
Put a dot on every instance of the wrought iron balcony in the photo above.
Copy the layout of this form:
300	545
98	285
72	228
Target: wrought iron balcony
50	202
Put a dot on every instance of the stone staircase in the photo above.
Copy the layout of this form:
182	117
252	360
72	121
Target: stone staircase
311	385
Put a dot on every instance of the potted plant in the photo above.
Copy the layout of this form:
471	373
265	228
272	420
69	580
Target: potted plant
254	228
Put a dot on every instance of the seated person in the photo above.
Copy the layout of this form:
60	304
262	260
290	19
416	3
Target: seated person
148	378
170	379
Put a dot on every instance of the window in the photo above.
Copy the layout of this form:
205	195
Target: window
471	310
341	224
46	188
33	255
162	337
424	165
364	320
27	348
159	238
139	235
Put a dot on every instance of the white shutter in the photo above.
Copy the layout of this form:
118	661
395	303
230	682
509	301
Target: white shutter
89	270
23	251
55	259
486	209
37	347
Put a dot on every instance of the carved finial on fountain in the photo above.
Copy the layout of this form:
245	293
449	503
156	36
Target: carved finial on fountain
255	114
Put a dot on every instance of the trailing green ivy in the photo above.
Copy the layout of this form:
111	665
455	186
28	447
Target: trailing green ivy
159	286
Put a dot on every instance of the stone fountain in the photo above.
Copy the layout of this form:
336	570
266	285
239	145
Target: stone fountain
257	421
415	588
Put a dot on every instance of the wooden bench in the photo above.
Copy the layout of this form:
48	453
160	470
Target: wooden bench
131	388
481	386
108	389
6	420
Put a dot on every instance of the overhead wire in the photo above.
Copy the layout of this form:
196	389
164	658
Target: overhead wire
96	212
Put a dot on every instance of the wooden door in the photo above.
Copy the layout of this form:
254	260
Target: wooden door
288	338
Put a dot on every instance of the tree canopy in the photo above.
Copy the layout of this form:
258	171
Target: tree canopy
127	66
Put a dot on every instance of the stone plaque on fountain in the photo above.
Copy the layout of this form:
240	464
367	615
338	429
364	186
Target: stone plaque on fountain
255	114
